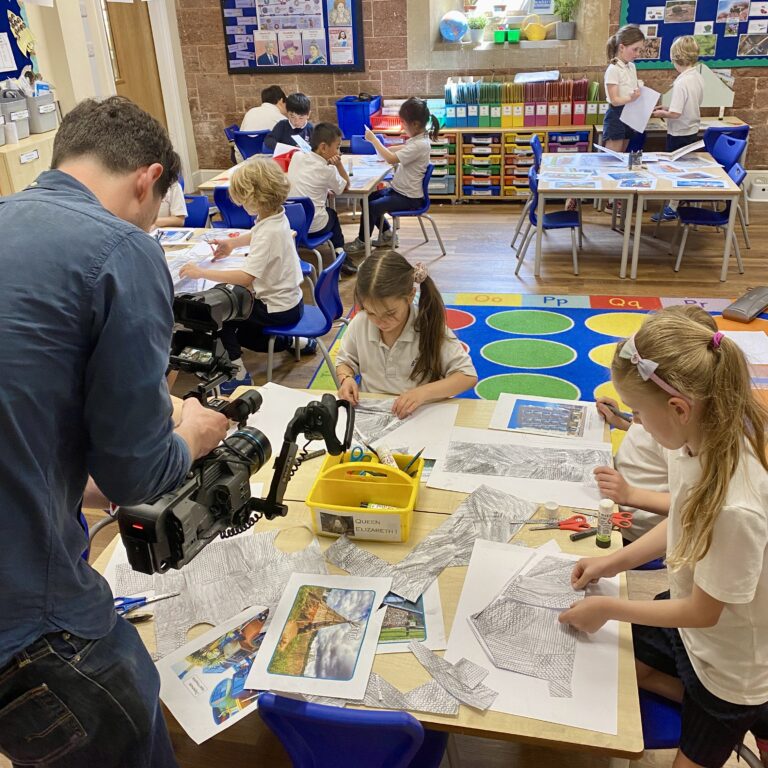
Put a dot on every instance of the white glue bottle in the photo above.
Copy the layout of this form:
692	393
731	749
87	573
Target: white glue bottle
552	513
604	523
385	455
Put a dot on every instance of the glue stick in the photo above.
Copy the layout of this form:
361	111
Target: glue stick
552	512
604	524
385	455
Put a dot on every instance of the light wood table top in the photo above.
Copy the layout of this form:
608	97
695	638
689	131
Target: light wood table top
405	672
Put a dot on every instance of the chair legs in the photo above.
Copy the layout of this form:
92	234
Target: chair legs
737	253
297	351
329	363
674	239
658	223
529	233
574	251
270	357
423	231
743	222
437	231
686	228
523	218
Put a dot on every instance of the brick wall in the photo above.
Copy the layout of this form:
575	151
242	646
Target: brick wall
218	99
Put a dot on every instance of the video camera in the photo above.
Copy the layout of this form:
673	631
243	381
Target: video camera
215	499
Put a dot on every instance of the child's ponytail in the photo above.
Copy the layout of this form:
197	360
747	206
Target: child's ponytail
416	112
434	127
611	49
430	324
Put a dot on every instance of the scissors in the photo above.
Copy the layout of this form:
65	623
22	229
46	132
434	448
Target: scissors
358	454
573	523
125	605
619	519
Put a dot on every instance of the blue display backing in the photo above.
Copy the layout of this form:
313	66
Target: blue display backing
21	59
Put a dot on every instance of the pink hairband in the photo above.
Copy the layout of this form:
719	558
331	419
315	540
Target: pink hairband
647	368
716	339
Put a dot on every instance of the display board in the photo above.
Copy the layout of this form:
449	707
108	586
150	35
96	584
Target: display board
17	45
293	35
730	33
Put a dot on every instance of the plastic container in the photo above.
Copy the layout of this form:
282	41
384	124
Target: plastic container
14	109
442	186
353	115
338	494
42	113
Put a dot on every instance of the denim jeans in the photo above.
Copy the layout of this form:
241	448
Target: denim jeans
67	702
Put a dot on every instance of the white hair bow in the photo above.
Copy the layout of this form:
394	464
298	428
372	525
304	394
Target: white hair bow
647	368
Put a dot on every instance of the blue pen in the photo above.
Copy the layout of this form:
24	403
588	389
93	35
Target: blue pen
621	414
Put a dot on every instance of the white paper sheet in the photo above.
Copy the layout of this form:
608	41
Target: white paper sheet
572	419
637	113
527	465
7	61
754	344
322	638
591	706
202	682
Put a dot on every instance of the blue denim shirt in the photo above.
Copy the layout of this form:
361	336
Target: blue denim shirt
85	327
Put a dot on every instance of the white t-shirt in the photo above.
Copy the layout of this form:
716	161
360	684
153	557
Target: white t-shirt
622	74
387	369
274	263
687	95
642	462
412	162
173	203
262	118
312	177
731	658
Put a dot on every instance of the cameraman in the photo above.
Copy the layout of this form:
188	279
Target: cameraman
85	311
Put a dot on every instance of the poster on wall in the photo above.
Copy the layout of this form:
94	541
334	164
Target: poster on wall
293	35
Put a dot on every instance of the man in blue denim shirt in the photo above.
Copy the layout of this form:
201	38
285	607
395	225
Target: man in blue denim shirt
86	318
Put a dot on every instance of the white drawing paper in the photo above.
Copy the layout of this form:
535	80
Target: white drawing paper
533	467
323	636
590	706
637	113
754	345
203	682
548	416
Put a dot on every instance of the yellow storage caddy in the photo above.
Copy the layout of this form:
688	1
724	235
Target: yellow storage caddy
376	505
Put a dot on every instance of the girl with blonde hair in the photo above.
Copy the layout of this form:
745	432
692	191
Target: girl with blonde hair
705	642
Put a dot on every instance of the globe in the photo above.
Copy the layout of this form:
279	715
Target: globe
453	26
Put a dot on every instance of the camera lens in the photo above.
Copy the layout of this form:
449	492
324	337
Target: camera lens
253	445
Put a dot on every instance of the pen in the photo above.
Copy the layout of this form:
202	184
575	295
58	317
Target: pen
616	412
583	534
413	461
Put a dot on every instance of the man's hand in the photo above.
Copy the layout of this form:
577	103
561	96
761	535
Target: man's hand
613	486
408	402
588	615
201	428
349	390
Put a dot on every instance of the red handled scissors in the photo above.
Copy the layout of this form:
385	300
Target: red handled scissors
573	523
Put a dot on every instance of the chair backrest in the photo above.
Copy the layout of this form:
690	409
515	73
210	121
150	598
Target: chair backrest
309	215
235	216
249	143
636	143
314	734
198	209
229	131
533	183
714	132
537	149
327	290
297	217
728	151
359	146
737	174
425	185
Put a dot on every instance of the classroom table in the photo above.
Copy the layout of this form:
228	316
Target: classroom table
405	673
367	172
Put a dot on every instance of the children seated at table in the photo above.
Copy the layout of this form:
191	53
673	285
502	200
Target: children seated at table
173	208
412	158
397	347
271	269
296	123
317	174
271	111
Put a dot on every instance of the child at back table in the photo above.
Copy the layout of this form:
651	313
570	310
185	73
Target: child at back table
705	642
396	348
406	192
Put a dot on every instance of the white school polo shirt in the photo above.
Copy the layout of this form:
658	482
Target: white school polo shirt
687	95
622	74
412	162
173	204
274	263
731	658
311	176
387	369
262	118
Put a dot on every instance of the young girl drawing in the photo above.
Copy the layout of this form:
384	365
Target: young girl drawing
411	158
705	642
396	348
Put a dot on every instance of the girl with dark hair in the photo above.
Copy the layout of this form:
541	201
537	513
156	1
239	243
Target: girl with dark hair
406	192
396	347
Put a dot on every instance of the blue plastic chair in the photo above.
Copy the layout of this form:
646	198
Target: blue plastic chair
419	213
728	151
318	318
229	132
359	146
233	216
714	132
318	736
538	151
556	220
198	210
249	143
295	214
689	215
661	724
304	239
84	525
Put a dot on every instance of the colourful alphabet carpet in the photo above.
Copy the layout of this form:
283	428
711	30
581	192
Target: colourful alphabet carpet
552	346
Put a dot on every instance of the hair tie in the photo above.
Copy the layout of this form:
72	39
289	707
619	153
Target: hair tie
419	273
647	368
716	339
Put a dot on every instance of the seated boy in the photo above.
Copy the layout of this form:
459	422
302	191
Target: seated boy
173	208
315	174
297	107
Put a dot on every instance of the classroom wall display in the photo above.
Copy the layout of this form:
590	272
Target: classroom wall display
293	35
17	44
730	33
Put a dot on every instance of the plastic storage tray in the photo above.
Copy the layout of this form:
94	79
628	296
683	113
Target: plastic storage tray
353	115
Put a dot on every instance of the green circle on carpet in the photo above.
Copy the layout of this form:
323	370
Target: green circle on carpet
528	353
527	384
530	322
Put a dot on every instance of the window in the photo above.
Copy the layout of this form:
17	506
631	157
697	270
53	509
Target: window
512	6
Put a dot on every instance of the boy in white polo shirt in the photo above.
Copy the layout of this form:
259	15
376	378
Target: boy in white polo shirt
683	115
314	174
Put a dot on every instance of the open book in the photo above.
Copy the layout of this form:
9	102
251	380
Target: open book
652	157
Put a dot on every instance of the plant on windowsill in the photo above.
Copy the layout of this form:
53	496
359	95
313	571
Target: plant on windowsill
566	10
477	23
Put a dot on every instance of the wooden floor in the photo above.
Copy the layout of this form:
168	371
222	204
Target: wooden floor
479	259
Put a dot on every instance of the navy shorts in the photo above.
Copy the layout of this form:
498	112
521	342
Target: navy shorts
678	142
613	128
711	727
